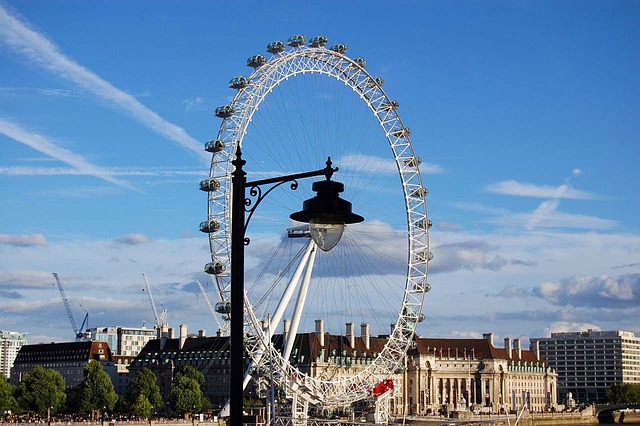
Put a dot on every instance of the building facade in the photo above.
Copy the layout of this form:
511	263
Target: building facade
589	362
10	344
473	374
69	359
125	341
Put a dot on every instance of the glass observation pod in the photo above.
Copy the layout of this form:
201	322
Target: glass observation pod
318	41
239	82
225	111
214	268
340	48
209	185
424	224
376	81
388	106
276	47
361	61
214	146
412	162
297	40
223	307
424	256
256	61
209	226
401	133
419	192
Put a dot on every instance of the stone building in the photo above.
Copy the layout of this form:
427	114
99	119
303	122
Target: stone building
69	359
464	374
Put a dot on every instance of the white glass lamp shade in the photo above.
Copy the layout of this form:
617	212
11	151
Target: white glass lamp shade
325	235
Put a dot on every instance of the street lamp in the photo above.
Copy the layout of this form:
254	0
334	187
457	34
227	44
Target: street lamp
326	214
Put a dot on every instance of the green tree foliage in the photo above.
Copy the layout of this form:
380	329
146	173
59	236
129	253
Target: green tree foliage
40	390
185	395
144	383
7	400
96	389
141	407
624	393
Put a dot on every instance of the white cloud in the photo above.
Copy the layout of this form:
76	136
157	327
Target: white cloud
24	240
603	291
565	327
44	53
512	187
44	145
132	239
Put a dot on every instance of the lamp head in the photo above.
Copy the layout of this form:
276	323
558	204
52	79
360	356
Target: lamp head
326	214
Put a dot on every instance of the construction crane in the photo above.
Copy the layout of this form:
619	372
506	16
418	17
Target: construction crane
213	311
80	334
161	319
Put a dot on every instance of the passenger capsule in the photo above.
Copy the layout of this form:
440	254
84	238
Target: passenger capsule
361	61
209	226
276	47
214	268
401	133
223	307
318	41
256	61
239	82
412	162
209	185
224	111
214	146
419	192
388	106
421	317
427	287
340	48
297	40
376	81
424	224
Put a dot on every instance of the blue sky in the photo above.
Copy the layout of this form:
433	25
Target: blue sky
526	116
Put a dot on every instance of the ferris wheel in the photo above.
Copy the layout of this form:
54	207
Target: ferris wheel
301	104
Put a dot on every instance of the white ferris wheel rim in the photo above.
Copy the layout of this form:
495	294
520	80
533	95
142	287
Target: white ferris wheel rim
333	64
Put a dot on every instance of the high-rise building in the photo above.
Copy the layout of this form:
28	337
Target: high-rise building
589	362
10	344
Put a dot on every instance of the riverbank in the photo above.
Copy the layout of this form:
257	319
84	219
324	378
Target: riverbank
537	419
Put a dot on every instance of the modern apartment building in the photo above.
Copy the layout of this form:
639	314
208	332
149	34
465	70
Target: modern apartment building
125	341
10	344
589	362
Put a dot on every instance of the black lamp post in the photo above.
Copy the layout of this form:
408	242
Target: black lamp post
326	214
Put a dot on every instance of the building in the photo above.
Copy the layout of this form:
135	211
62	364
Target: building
125	341
464	374
10	344
460	374
69	359
589	362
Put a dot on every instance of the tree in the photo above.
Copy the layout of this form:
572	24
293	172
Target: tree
624	393
141	407
185	395
7	400
96	389
40	391
144	383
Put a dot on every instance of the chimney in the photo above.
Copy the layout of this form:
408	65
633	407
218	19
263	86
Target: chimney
171	334
351	335
489	337
507	346
202	333
286	324
183	335
320	331
536	349
163	335
516	343
364	333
